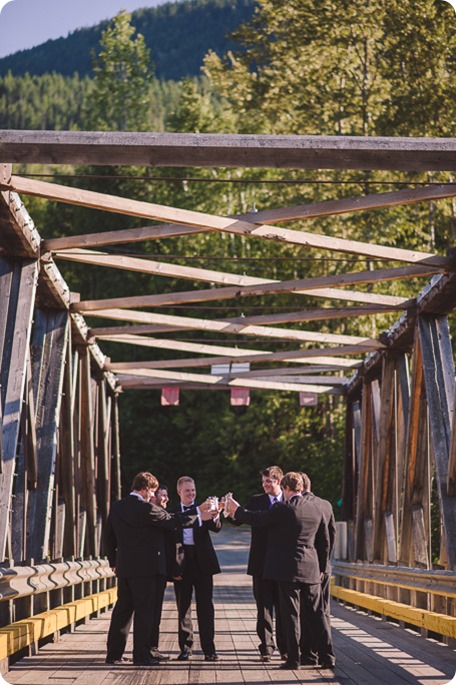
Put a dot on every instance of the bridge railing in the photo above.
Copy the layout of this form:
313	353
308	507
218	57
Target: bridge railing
425	599
38	601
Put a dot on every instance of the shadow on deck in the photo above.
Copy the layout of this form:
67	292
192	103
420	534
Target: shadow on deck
369	650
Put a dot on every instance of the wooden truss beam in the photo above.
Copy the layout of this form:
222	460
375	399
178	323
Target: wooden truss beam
200	348
244	286
111	332
328	356
215	379
193	323
222	150
269	216
349	205
389	302
111	203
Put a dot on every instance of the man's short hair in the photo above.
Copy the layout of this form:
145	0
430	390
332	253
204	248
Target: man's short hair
184	479
306	482
144	481
162	486
293	481
273	472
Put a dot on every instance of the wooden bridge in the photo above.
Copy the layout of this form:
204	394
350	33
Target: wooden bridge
60	456
368	649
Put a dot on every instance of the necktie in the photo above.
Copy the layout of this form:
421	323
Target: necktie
186	508
274	501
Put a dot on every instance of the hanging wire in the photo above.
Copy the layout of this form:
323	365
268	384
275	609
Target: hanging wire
200	179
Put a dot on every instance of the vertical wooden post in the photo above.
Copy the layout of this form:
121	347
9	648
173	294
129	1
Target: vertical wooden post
415	455
365	495
88	453
117	479
67	457
385	457
17	294
438	368
49	347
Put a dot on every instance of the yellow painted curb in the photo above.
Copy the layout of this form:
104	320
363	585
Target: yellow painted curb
23	633
437	623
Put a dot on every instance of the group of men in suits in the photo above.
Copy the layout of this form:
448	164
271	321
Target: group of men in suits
145	546
292	539
293	534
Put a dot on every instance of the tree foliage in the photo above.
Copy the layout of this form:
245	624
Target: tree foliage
302	67
122	72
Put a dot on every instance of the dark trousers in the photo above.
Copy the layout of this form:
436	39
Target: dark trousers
135	598
299	603
266	593
192	577
158	606
311	650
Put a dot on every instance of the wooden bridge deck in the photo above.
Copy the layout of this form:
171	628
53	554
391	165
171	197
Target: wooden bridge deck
369	651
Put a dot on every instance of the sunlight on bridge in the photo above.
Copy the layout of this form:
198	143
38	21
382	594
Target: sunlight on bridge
423	672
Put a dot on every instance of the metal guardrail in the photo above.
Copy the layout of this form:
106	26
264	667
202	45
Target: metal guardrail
23	581
436	582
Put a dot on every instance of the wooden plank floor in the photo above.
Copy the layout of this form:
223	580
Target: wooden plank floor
369	651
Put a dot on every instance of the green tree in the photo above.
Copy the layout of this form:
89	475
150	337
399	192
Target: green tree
120	100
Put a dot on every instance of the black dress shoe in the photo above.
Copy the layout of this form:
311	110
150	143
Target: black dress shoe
328	663
120	660
266	657
156	654
290	666
151	661
308	662
212	657
184	656
284	657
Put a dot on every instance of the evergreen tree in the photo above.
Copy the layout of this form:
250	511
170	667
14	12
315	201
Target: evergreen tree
122	73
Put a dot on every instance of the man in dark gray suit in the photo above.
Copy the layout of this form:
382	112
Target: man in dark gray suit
310	650
296	556
265	590
135	548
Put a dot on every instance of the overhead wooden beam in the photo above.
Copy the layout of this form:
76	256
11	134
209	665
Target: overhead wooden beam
140	383
316	356
301	286
213	294
111	332
193	323
148	210
214	379
233	352
179	345
129	235
323	314
354	204
225	150
310	211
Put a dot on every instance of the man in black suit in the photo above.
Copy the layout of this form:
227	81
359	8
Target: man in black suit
199	564
265	590
135	548
161	499
296	556
309	650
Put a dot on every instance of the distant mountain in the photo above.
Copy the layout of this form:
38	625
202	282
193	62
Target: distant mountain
178	35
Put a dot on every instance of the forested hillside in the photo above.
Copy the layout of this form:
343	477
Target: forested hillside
302	67
178	35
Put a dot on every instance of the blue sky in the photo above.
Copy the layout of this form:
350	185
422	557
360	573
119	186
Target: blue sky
25	23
